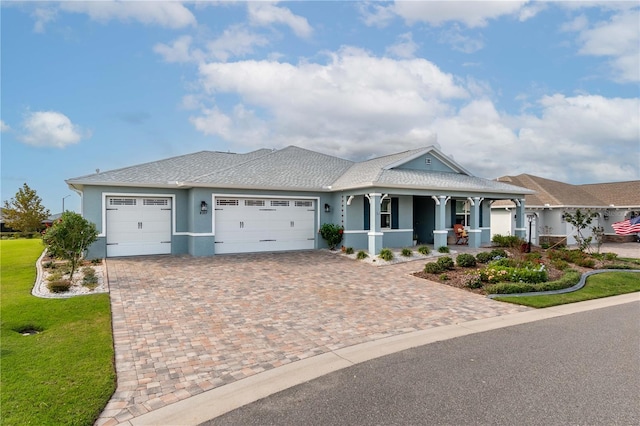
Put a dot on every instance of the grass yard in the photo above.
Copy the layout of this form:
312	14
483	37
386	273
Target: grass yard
63	375
597	286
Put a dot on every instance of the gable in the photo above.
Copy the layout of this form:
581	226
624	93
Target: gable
427	162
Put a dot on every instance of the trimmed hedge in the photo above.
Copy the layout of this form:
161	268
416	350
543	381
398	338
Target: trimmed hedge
569	279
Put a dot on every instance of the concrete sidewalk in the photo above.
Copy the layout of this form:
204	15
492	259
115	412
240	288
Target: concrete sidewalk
208	405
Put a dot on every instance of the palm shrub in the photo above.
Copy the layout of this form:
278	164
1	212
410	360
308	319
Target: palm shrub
386	254
443	249
406	252
424	250
362	255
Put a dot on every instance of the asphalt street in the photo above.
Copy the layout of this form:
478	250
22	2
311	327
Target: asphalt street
582	368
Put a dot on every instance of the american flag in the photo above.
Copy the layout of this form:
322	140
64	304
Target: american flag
627	227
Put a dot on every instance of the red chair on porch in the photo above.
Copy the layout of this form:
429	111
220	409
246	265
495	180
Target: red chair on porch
461	234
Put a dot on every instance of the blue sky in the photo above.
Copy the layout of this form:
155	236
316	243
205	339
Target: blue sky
505	87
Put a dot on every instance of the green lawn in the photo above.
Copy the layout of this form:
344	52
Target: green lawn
597	286
65	374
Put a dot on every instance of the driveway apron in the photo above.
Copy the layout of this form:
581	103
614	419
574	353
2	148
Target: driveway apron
184	325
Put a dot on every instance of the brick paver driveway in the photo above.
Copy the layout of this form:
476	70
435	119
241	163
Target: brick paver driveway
184	325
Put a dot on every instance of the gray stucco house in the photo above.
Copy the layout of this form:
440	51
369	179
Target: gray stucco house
545	209
210	203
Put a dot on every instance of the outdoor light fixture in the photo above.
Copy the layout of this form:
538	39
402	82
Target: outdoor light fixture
327	208
204	207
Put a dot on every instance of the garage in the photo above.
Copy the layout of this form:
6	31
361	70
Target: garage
246	225
138	226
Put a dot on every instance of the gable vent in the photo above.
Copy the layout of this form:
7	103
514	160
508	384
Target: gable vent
427	161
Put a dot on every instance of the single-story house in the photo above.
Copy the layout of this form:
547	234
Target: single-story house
210	203
545	209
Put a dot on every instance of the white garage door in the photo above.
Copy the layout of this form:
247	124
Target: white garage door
138	226
244	225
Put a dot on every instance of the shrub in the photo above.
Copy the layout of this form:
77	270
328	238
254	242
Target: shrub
444	277
443	249
504	261
569	279
54	276
560	264
433	268
407	252
474	281
59	286
424	250
507	240
533	256
90	278
362	255
586	263
332	234
610	256
484	257
498	253
495	273
466	260
348	250
386	254
445	262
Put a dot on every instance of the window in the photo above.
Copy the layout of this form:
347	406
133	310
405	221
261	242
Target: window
254	203
226	202
122	201
462	212
385	213
304	203
155	202
279	203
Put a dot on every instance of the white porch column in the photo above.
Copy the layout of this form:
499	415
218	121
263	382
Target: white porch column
440	233
375	233
520	230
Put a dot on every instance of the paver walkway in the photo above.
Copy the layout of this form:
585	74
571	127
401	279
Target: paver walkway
185	325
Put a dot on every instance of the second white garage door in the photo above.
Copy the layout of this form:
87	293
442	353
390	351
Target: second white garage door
245	225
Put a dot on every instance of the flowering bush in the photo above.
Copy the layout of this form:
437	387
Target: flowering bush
332	233
496	273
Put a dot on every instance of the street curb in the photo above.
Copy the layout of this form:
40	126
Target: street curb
576	287
218	401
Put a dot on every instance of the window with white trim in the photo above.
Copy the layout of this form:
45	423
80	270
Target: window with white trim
122	201
463	212
385	213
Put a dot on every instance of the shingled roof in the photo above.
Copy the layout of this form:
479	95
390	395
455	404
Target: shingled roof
552	193
293	168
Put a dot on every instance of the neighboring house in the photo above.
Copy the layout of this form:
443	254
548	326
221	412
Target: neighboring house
46	223
210	203
545	209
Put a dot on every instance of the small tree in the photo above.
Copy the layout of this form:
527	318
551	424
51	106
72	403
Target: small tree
332	234
598	233
581	221
25	212
69	238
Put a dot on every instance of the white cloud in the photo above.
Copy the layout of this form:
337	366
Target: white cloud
179	50
462	43
4	127
51	128
617	38
266	13
357	105
162	13
42	16
404	47
375	14
235	41
470	13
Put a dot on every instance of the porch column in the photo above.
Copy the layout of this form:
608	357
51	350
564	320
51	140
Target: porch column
485	225
440	233
375	233
520	230
474	231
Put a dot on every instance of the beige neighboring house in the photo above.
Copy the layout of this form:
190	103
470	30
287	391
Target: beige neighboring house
545	210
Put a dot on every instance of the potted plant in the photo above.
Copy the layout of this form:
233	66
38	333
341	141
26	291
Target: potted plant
332	234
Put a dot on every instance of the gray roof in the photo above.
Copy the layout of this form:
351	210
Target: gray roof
293	168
